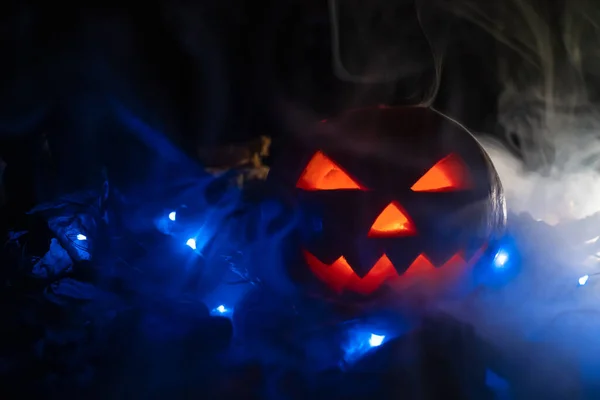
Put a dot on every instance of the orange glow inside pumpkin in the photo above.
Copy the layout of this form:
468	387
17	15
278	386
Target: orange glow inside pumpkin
446	175
340	276
323	174
393	221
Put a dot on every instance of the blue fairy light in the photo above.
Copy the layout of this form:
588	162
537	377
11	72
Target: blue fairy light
222	311
376	340
360	342
500	259
191	243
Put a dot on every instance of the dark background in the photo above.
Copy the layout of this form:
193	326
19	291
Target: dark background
204	73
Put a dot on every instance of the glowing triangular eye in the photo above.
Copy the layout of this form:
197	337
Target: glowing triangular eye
393	221
323	174
447	175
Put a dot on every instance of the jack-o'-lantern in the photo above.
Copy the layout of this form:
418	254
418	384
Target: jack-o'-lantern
394	198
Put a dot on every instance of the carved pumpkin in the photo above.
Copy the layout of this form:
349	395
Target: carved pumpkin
392	199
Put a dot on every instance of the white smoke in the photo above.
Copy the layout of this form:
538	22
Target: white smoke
548	61
547	66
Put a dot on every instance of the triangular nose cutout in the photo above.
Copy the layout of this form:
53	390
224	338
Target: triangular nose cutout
392	222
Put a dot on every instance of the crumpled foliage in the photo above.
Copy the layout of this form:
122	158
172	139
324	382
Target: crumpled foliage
77	201
236	155
118	336
67	228
55	262
68	289
93	323
74	214
14	236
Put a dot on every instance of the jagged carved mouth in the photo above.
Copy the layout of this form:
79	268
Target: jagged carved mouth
340	276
